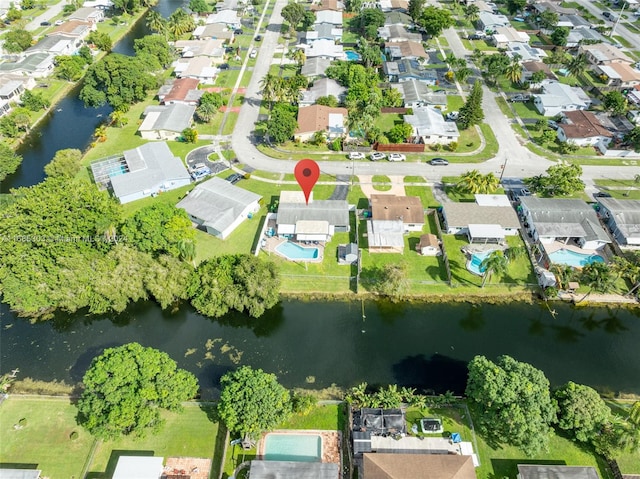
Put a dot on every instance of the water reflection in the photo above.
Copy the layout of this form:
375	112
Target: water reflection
438	373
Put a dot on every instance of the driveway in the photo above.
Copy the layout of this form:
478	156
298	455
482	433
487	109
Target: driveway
397	186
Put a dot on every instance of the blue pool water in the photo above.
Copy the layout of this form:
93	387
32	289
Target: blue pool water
571	258
476	260
352	56
295	251
293	447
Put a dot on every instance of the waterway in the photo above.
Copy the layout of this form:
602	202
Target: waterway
316	344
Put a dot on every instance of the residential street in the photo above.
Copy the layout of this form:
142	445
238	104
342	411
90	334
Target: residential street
517	160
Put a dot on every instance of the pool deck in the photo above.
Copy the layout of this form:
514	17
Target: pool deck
331	443
557	245
269	245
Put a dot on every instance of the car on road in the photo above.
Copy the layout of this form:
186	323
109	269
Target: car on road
258	38
438	162
609	16
356	155
397	157
523	192
377	156
253	54
233	179
45	24
602	194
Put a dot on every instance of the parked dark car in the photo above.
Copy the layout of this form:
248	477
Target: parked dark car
45	24
238	31
258	38
474	37
438	162
233	179
601	194
223	66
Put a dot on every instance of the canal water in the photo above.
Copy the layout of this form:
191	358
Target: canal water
316	344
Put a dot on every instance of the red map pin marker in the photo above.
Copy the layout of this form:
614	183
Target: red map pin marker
307	173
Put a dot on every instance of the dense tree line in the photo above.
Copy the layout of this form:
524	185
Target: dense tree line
9	161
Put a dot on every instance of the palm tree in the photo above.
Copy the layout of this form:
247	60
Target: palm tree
100	134
298	56
495	263
470	181
206	112
564	273
599	277
629	270
118	118
513	71
472	13
463	73
270	86
577	65
634	414
187	251
156	23
180	22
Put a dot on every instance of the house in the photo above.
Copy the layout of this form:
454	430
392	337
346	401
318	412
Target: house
56	45
407	209
166	122
531	67
563	220
482	223
315	67
503	36
572	21
200	68
405	50
210	48
416	93
405	70
582	128
321	31
322	88
554	7
101	4
623	219
317	221
19	473
219	207
525	52
397	18
36	65
180	90
489	21
87	14
293	469
400	5
578	36
398	33
11	87
336	5
230	18
604	54
5	107
485	7
620	75
385	236
430	127
429	245
324	49
532	471
74	29
141	172
634	117
215	31
332	17
425	466
557	97
138	467
320	118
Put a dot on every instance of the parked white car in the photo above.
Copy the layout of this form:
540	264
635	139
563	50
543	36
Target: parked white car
397	157
356	155
253	54
377	156
452	116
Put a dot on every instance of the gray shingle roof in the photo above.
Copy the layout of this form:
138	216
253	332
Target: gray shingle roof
463	214
293	470
217	203
336	212
175	117
315	67
428	121
530	471
385	234
625	214
149	165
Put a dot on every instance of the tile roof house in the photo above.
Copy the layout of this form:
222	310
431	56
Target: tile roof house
621	75
405	70
429	126
429	245
405	50
416	93
532	471
180	90
424	466
74	29
320	118
563	220
321	88
623	219
604	54
407	209
385	236
219	207
332	17
87	14
317	221
398	33
328	5
149	169
166	122
480	223
315	67
557	97
582	128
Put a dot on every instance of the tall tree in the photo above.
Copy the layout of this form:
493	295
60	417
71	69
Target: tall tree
9	161
281	124
125	388
16	41
515	6
615	102
581	411
475	182
577	65
599	277
156	23
548	19
65	163
513	71
154	51
472	12
368	21
560	180
513	401
471	112
415	9
559	36
496	263
434	20
252	401
293	13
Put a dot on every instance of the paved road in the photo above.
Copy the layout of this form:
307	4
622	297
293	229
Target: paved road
45	16
621	30
518	161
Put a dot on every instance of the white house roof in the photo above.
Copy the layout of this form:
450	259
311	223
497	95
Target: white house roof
461	215
324	87
491	20
429	121
486	231
294	197
492	200
329	16
335	212
217	203
558	94
324	48
148	165
526	51
414	91
385	233
228	17
138	467
174	117
626	214
19	473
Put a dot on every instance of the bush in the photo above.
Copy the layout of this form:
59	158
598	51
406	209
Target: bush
453	146
22	422
73	436
303	403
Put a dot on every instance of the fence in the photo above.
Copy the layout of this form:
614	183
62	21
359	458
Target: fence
405	147
389	109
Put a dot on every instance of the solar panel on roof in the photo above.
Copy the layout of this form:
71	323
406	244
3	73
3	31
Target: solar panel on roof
402	68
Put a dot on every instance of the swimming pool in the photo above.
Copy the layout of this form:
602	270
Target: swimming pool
294	251
352	56
572	258
474	263
293	447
